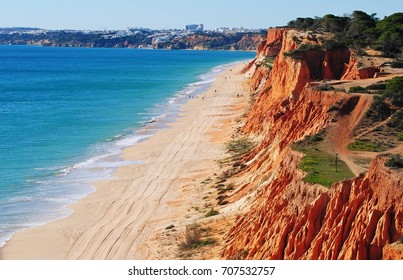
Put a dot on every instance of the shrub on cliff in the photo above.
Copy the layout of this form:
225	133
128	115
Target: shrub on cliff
394	161
379	110
357	89
397	120
380	87
394	91
212	212
192	238
324	87
309	47
397	64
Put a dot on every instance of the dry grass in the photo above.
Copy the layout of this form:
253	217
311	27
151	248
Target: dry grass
192	238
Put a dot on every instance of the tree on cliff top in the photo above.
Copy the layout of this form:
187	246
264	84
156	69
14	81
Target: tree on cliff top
394	91
390	29
359	30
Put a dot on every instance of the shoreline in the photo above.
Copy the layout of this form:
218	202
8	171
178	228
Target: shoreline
110	223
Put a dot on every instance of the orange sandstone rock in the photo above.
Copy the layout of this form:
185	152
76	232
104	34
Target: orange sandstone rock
353	72
287	218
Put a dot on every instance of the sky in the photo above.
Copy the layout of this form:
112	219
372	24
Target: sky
175	14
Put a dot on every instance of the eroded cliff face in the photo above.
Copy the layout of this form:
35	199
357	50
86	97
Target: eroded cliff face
353	220
273	43
354	72
284	217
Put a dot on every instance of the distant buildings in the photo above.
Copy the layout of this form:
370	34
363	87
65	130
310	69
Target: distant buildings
194	27
236	30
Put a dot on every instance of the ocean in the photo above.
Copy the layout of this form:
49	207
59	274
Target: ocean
66	114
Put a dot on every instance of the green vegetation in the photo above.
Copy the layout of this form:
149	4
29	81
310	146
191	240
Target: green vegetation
268	62
320	166
379	110
239	148
299	53
358	30
366	145
324	87
394	161
295	54
357	89
397	120
192	238
207	181
394	91
397	64
212	212
381	87
390	31
309	47
388	104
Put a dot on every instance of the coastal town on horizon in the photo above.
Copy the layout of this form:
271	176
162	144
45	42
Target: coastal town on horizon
189	28
134	37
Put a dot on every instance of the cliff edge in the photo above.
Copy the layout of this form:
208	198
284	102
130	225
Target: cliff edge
281	215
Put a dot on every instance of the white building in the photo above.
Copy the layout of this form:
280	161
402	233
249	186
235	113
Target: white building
194	27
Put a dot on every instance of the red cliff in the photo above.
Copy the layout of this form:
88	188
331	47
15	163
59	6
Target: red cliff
274	41
353	220
286	218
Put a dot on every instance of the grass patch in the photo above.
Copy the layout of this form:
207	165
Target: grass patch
321	168
366	146
240	147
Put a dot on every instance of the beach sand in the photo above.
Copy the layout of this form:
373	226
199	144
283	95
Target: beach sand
126	216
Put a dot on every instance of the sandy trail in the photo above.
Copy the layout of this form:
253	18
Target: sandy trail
341	134
120	220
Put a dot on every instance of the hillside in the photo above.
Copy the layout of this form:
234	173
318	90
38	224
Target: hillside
315	166
289	217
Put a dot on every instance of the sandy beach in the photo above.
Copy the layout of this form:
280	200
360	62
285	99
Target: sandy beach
124	218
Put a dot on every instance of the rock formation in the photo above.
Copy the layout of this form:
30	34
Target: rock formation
286	218
354	72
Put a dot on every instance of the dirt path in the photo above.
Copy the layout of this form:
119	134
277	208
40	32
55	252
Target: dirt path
341	134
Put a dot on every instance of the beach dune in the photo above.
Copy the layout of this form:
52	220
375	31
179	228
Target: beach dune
122	218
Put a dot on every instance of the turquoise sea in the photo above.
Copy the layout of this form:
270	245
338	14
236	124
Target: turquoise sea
67	113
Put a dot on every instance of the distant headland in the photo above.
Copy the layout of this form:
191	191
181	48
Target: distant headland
193	37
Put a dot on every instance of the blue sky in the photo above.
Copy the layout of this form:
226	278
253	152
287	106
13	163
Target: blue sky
119	14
